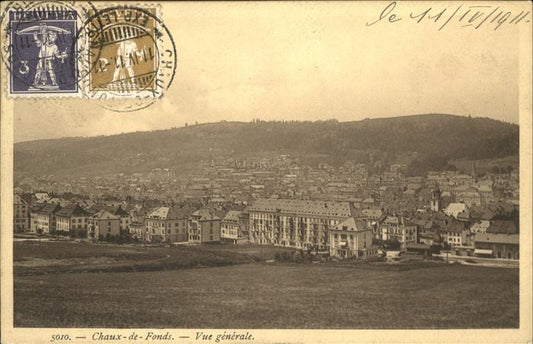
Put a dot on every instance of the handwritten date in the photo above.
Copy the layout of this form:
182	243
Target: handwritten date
474	16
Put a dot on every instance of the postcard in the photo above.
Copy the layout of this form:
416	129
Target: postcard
266	172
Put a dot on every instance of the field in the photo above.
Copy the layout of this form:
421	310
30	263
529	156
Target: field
258	295
31	257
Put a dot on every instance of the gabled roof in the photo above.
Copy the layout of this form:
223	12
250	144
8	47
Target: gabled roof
454	227
372	213
120	212
497	238
180	212
174	212
49	209
480	226
72	210
232	215
18	199
303	207
454	209
113	210
351	224
159	213
105	215
205	214
503	227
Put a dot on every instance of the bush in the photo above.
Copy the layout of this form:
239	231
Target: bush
434	249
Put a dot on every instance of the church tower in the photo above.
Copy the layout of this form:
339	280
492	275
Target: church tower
436	204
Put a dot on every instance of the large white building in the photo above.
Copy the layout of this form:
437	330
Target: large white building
296	223
351	238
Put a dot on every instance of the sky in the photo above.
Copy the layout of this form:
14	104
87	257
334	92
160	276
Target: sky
305	61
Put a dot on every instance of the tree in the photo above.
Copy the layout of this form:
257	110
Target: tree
434	249
392	244
39	233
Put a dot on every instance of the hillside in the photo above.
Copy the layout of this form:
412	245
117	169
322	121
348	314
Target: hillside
436	139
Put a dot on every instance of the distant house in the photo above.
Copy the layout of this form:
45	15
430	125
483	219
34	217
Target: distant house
486	192
399	229
456	233
351	238
430	238
103	225
501	240
503	227
495	245
471	197
21	214
372	219
480	226
72	218
125	218
44	218
230	227
168	224
204	226
295	223
457	210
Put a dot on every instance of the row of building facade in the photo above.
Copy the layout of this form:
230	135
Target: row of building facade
335	226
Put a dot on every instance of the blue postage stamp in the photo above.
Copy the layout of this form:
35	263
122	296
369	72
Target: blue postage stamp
43	45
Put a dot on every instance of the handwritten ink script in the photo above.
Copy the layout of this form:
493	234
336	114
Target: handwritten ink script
474	16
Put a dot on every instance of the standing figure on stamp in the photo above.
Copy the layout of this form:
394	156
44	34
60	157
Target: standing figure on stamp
126	52
48	53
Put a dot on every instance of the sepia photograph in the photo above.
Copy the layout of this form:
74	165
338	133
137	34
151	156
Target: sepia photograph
170	168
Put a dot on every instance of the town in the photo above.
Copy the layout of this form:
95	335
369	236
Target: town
353	210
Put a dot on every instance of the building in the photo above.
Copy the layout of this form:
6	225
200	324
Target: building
372	219
471	197
103	225
230	227
456	234
501	240
204	226
72	219
138	231
351	238
301	224
21	214
457	210
495	245
397	228
125	218
480	226
436	202
168	224
43	218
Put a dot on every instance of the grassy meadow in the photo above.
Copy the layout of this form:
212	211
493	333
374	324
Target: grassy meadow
251	294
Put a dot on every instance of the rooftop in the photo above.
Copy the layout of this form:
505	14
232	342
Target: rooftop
303	207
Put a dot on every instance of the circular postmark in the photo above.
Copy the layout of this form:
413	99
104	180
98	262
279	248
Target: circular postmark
42	53
131	59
